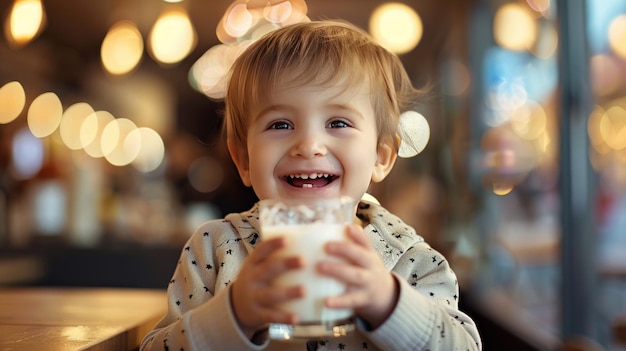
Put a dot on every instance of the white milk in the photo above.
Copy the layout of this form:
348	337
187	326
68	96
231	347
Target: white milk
307	240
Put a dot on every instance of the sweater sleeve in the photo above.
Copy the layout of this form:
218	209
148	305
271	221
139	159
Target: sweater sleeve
426	316
199	315
210	326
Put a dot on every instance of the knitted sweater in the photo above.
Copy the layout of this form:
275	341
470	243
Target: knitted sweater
200	315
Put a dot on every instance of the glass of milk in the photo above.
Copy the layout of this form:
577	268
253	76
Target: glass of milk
307	227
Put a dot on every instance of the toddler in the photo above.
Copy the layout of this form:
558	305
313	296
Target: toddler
312	111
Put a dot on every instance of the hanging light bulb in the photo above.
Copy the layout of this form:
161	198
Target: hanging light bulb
173	37
122	48
24	22
396	26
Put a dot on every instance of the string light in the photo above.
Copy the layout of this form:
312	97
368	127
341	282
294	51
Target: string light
173	37
25	21
397	27
122	48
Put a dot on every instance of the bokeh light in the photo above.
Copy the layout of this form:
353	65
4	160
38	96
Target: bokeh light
529	122
613	127
541	6
71	124
12	101
278	13
91	132
44	114
209	74
173	37
27	154
593	130
238	20
396	26
122	48
514	27
148	146
112	142
547	41
26	20
617	35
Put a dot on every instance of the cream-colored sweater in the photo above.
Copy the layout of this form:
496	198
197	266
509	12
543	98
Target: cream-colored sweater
200	315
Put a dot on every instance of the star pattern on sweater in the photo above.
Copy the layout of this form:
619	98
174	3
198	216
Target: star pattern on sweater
392	234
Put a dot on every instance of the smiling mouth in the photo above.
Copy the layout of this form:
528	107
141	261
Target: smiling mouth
308	181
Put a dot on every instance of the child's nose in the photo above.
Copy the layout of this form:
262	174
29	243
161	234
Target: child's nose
308	145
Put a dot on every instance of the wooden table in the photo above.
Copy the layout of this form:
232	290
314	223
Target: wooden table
72	319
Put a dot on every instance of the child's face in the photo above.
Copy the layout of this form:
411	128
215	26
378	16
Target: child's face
313	142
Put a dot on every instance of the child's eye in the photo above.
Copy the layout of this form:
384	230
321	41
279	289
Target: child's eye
338	124
280	125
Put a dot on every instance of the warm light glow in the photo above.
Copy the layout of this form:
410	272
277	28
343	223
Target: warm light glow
122	48
112	142
511	95
173	37
617	35
529	121
396	26
91	132
514	27
243	18
277	13
243	23
613	127
25	21
149	148
210	73
12	101
76	333
71	123
502	189
44	114
238	20
546	43
539	5
593	130
298	13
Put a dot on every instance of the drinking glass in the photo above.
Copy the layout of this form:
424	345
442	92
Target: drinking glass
307	227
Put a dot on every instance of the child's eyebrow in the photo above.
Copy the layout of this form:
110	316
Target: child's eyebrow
330	107
277	107
347	108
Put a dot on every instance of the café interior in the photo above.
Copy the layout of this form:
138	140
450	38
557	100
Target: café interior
111	154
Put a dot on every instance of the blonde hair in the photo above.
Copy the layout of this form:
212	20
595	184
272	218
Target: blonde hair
318	53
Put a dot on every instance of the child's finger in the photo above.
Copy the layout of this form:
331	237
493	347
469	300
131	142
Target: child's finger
265	248
351	275
357	234
273	267
272	296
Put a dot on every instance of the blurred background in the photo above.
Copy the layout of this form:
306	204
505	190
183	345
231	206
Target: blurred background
111	150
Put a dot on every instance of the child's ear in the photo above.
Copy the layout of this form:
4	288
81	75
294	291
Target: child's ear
239	155
384	163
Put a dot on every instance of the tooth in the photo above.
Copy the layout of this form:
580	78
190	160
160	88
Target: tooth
304	176
313	176
307	185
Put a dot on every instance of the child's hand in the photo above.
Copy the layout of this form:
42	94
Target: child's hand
372	290
254	298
